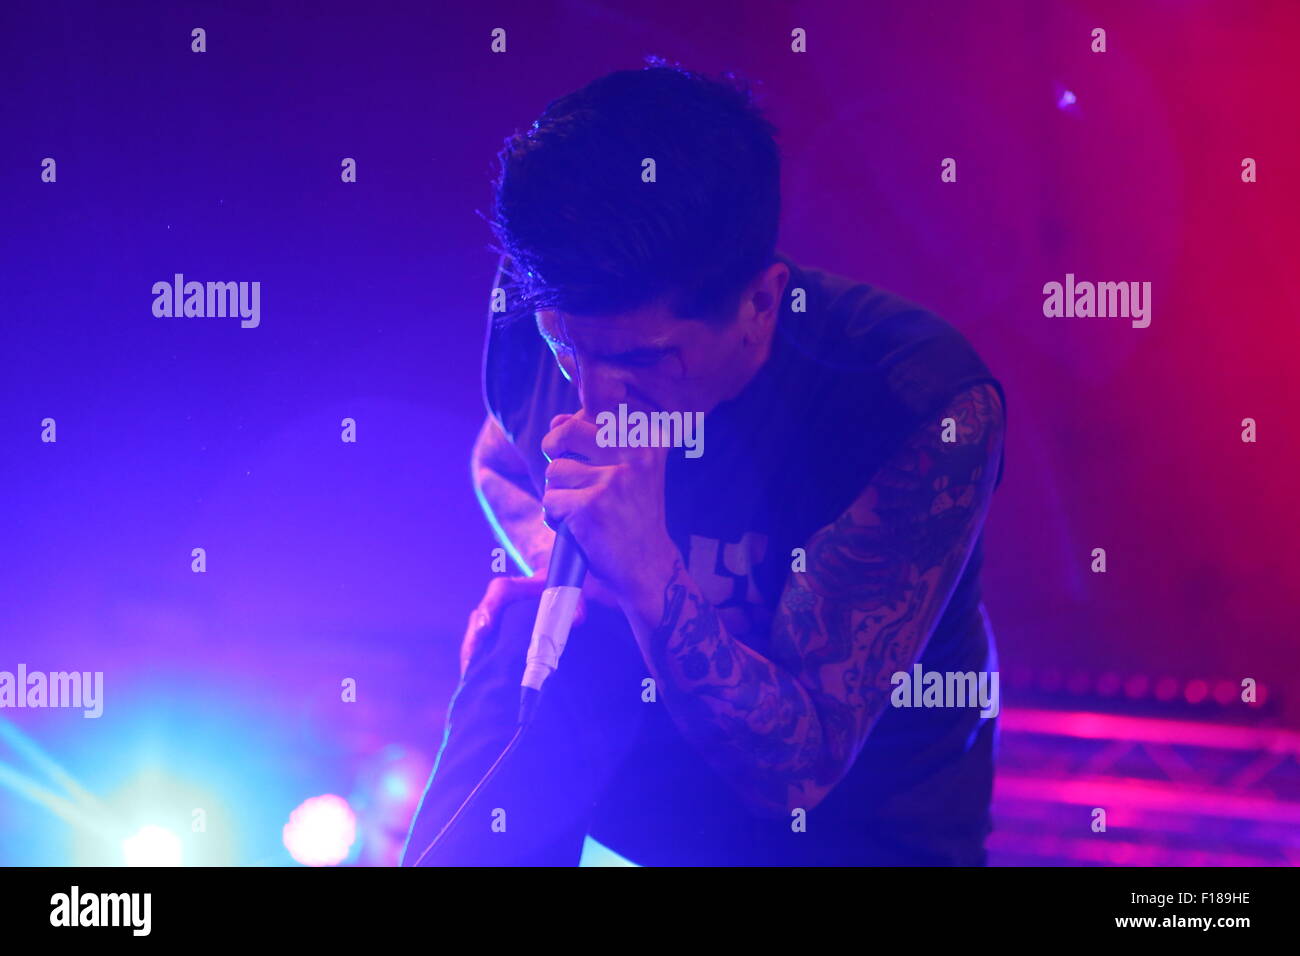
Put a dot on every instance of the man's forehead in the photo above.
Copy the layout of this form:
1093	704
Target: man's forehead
613	333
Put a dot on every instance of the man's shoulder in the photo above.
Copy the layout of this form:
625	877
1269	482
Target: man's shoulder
860	336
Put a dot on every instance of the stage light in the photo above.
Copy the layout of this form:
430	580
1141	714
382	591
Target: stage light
152	846
596	854
396	786
321	831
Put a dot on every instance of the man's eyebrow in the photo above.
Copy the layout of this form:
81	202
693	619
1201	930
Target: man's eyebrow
635	352
640	351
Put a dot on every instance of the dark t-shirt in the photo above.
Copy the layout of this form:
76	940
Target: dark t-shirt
851	376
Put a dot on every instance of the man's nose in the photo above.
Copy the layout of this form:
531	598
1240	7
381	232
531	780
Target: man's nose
601	388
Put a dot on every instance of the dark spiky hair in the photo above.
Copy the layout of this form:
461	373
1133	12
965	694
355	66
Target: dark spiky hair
583	233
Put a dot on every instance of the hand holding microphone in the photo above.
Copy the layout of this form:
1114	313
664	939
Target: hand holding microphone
611	498
565	575
607	506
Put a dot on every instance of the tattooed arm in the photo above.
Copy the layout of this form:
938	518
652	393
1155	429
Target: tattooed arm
785	730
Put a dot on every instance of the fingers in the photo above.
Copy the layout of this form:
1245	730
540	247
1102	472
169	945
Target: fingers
506	590
480	621
501	592
567	473
559	505
571	435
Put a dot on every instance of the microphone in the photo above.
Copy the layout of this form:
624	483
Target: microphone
564	576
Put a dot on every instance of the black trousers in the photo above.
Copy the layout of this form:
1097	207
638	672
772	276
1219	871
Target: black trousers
536	809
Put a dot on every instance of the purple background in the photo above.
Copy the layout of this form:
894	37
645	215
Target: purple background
329	560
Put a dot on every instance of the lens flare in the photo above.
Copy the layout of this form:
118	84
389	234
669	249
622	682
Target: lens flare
152	846
321	831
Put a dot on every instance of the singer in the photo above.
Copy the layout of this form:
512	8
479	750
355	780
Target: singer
724	698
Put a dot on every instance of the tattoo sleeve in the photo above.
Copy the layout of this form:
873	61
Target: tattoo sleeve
785	730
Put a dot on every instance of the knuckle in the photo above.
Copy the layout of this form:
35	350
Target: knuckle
553	441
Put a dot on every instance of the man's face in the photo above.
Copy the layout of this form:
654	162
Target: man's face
649	359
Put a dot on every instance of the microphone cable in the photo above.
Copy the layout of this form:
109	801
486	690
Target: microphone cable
473	794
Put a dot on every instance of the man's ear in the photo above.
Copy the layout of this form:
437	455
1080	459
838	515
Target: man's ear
766	291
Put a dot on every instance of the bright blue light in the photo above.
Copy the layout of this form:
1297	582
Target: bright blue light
215	764
152	846
597	854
